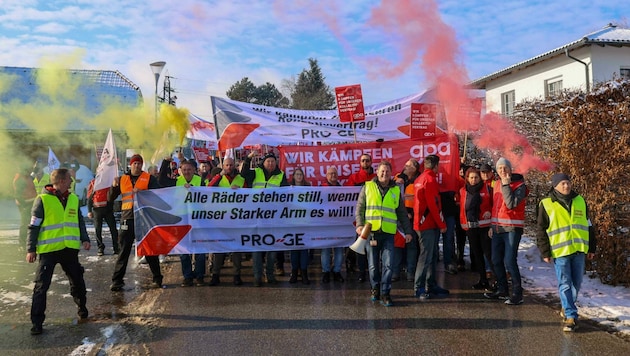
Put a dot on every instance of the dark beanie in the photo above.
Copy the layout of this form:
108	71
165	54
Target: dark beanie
136	158
269	155
557	178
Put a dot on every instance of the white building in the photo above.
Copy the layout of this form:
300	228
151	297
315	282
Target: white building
597	57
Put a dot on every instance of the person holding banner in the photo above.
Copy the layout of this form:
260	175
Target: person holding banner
228	178
381	205
428	222
364	174
267	174
126	185
332	180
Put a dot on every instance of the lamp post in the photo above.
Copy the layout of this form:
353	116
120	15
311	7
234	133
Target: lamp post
156	68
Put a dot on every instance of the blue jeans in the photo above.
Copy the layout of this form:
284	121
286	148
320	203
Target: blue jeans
408	255
299	259
380	258
257	264
337	262
569	270
187	266
504	255
448	241
427	260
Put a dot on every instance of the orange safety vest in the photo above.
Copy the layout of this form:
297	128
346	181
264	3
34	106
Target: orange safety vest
126	188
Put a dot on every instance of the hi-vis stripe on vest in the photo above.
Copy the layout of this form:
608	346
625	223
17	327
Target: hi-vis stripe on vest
195	181
568	234
260	182
501	215
238	181
126	188
380	211
60	228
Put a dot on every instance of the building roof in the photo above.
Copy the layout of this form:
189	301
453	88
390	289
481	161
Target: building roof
92	89
607	36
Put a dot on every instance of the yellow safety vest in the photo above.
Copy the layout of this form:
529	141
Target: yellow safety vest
568	234
260	182
195	181
380	211
60	228
238	181
40	184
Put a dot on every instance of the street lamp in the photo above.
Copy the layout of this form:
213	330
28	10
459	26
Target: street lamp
156	68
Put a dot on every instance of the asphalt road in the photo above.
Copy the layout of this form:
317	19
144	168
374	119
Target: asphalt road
281	319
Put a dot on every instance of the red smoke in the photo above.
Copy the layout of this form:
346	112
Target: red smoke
415	29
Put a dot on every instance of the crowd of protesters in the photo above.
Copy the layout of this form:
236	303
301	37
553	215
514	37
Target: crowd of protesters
487	210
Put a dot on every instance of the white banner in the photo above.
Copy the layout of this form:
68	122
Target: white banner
242	124
107	168
53	161
181	220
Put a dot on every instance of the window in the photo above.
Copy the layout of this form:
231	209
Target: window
507	103
624	73
553	87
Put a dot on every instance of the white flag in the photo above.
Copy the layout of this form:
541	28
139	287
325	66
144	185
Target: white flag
53	162
107	168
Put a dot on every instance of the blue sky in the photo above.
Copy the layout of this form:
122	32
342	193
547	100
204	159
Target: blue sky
209	45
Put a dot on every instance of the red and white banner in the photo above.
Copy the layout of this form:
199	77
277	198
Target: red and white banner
202	130
315	160
350	103
181	220
242	124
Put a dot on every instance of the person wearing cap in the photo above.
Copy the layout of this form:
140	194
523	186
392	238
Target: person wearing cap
508	220
266	175
566	237
126	185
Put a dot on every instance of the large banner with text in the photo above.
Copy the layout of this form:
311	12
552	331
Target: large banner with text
181	220
315	160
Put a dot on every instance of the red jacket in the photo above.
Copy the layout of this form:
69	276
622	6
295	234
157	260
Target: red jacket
427	209
485	212
360	177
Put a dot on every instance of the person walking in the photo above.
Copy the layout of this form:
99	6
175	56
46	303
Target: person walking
566	238
126	185
508	220
56	233
99	209
381	205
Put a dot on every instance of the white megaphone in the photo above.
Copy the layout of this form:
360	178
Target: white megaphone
359	245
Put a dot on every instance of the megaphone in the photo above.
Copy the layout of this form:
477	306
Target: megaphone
359	245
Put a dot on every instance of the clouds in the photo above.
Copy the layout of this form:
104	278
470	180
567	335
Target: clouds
209	45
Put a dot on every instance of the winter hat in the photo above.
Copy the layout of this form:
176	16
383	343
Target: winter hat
485	168
136	158
503	162
269	155
557	178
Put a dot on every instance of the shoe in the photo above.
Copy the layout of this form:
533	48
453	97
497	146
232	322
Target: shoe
83	312
570	325
395	278
421	294
155	285
279	271
100	252
257	282
214	281
437	290
305	279
482	285
116	287
188	282
562	314
199	282
361	277
496	295
293	278
492	288
514	301
376	294
386	300
337	277
326	277
238	281
36	329
451	269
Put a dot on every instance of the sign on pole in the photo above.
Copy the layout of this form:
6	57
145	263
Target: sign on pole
422	120
350	103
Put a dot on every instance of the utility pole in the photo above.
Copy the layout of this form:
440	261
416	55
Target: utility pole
168	90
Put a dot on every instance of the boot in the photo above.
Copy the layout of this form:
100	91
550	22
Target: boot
293	278
305	277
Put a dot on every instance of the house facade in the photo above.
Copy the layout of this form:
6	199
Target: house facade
597	57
